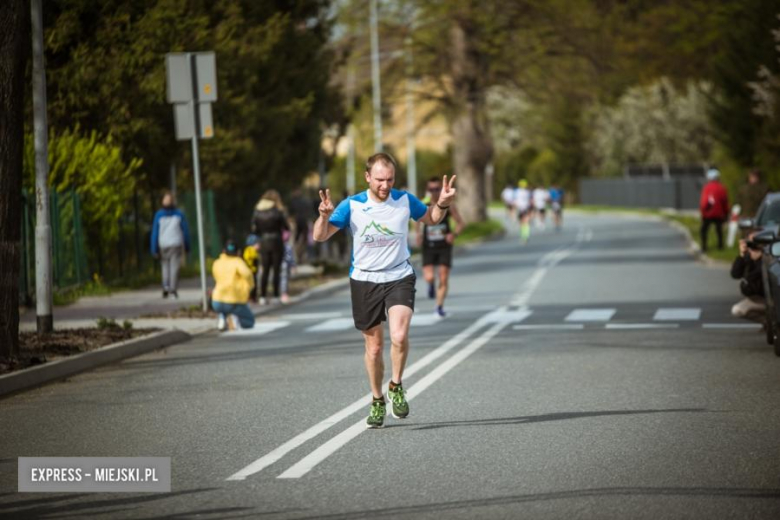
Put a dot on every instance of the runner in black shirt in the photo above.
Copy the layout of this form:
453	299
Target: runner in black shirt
436	241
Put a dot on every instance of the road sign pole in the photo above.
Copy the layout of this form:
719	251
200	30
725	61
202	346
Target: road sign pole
199	212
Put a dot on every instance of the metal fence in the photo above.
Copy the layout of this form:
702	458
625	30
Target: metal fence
69	260
643	192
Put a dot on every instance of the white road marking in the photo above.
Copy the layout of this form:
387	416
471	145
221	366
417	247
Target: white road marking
425	319
498	315
312	316
333	324
553	326
677	314
590	315
260	328
306	464
638	326
271	457
753	326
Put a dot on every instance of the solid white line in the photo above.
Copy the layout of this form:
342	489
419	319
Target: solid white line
731	325
677	314
571	326
274	455
638	326
330	447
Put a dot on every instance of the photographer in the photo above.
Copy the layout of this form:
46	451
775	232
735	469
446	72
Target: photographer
747	267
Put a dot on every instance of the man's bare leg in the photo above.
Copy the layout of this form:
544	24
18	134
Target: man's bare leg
375	365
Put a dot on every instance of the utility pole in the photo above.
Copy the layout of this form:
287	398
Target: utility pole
377	91
43	269
411	150
350	131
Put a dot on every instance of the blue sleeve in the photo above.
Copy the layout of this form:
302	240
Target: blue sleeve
416	208
340	217
155	233
185	230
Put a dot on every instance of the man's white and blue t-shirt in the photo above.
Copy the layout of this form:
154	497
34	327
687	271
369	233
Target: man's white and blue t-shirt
380	234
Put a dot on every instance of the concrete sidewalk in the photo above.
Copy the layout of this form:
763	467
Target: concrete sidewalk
138	305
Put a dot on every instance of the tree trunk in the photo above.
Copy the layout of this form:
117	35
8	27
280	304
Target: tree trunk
472	144
14	47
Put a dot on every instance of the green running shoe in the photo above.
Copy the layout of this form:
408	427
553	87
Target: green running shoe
397	396
376	417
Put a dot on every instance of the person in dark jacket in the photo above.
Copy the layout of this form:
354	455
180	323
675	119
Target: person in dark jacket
268	223
752	194
714	207
747	268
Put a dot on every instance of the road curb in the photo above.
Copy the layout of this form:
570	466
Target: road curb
693	248
69	366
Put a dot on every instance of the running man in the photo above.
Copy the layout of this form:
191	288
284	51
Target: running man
381	278
556	201
523	205
540	196
436	241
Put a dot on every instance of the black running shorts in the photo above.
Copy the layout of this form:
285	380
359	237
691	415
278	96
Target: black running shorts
438	256
370	301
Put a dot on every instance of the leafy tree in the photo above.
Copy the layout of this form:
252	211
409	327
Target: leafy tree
657	123
106	73
94	167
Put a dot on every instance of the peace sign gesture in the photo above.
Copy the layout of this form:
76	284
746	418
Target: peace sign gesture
447	191
326	206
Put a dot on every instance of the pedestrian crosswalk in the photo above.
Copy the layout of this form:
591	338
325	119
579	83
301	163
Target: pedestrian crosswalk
529	319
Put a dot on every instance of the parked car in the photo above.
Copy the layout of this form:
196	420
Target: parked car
767	216
766	224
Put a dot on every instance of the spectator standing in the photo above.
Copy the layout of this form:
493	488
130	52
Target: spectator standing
752	193
303	213
252	258
234	281
268	223
170	243
288	264
714	207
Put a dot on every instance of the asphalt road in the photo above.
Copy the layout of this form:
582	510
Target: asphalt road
592	373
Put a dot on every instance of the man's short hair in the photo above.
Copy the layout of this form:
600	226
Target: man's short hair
381	157
434	179
756	172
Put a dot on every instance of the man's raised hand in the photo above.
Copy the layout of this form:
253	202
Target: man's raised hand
447	191
326	206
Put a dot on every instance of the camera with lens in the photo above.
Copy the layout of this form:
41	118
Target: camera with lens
753	245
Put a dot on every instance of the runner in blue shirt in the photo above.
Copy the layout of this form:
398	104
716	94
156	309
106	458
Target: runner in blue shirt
382	281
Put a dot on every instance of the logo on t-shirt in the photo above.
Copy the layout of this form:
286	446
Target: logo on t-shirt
377	235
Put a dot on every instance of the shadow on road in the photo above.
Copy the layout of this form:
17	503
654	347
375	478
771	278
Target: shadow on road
85	504
703	492
562	416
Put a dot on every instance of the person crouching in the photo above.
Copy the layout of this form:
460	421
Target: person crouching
747	267
234	282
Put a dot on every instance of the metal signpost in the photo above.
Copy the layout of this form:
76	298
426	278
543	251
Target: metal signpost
191	79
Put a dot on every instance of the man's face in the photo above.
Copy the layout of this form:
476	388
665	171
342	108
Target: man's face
434	188
380	180
752	178
167	201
